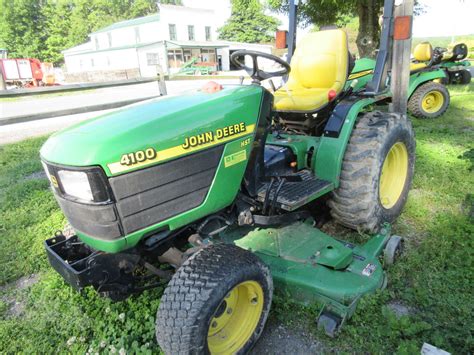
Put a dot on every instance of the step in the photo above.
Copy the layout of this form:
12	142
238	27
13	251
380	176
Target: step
293	195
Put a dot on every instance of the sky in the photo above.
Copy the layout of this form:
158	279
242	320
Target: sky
445	18
441	17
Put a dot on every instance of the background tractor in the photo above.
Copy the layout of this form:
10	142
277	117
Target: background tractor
220	191
430	70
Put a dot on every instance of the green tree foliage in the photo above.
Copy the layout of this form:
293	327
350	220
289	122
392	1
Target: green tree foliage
43	28
248	23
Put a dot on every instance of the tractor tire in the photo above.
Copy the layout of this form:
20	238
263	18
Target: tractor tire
429	100
465	77
217	302
377	172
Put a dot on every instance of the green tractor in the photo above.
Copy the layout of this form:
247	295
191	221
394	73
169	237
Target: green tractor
220	192
430	70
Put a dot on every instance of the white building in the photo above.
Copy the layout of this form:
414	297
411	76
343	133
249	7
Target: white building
169	39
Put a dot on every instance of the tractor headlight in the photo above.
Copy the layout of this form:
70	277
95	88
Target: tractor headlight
85	184
76	184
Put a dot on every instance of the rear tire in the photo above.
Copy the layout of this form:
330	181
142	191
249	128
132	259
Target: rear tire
429	100
365	199
218	287
465	77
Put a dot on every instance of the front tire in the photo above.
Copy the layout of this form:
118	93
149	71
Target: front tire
429	100
377	171
217	303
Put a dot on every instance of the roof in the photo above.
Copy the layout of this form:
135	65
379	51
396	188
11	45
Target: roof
79	48
196	44
73	51
129	23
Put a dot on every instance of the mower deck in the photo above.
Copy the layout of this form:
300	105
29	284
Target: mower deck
312	267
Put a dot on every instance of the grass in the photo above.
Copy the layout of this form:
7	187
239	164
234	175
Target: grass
434	278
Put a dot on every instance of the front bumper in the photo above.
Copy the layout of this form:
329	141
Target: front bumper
82	266
74	261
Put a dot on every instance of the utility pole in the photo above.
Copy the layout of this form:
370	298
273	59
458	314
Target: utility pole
400	76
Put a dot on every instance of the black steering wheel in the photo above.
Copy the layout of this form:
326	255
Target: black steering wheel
254	71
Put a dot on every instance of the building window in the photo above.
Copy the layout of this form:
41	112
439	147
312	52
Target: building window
172	29
137	34
92	62
108	61
175	58
208	33
208	56
109	37
191	32
96	40
152	59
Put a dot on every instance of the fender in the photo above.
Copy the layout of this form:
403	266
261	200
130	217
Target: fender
327	163
423	77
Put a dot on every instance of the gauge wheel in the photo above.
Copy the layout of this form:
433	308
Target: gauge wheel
393	250
429	100
216	303
377	172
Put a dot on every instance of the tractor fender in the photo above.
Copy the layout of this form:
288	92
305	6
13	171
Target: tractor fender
423	77
328	159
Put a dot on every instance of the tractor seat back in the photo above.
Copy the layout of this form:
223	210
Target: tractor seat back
319	70
423	52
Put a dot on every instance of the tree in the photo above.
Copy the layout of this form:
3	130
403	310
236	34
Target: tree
43	28
340	12
248	23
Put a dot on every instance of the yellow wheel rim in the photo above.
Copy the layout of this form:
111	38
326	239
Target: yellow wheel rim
432	101
236	318
394	175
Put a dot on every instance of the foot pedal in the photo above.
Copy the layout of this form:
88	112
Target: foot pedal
293	194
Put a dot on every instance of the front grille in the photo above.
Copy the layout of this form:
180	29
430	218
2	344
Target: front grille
149	196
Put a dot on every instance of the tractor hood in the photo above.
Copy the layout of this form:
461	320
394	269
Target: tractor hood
157	130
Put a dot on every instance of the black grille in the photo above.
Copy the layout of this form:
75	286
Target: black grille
151	195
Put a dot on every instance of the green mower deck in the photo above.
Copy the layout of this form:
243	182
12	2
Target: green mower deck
313	267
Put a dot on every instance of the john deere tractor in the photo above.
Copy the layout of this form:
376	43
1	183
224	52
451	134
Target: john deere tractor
219	192
430	70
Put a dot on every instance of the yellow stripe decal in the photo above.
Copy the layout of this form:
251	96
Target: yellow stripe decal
177	151
360	74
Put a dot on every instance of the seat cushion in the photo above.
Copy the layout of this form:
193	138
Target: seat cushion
320	64
417	66
300	99
423	52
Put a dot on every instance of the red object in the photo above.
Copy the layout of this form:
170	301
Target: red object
332	95
280	41
211	87
36	69
402	28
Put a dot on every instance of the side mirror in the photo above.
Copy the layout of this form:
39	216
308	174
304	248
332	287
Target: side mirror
281	39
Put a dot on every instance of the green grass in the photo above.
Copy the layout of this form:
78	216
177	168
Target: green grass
434	278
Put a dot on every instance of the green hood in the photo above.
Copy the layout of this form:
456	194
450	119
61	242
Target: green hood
163	124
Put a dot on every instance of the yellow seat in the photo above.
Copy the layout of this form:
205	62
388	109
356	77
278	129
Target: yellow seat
423	52
319	68
416	66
